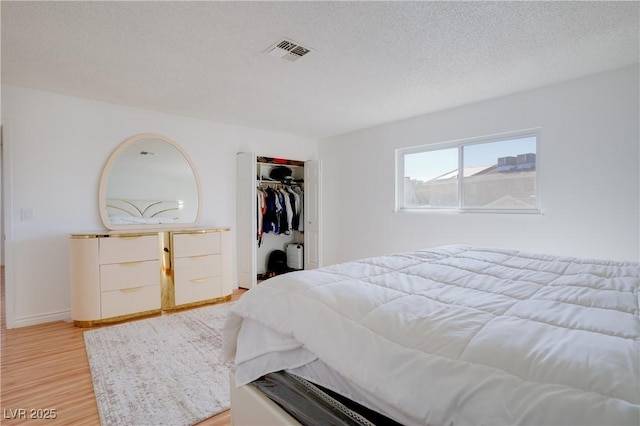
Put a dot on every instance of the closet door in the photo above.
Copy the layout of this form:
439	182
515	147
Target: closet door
246	227
312	216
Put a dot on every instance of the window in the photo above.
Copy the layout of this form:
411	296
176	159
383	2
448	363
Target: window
499	174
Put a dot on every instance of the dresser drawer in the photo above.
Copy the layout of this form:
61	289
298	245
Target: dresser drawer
118	276
196	244
197	290
196	267
128	249
130	301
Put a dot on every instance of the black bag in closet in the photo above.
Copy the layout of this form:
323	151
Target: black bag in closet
277	262
281	173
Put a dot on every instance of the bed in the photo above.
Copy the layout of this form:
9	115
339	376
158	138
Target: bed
451	335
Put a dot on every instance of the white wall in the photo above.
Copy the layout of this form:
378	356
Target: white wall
588	162
55	149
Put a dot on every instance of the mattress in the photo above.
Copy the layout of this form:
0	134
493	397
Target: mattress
456	334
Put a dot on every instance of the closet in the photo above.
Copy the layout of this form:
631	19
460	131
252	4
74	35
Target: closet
259	234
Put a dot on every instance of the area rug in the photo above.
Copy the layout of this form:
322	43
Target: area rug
166	370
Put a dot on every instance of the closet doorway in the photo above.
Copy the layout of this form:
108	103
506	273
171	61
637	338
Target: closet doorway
252	176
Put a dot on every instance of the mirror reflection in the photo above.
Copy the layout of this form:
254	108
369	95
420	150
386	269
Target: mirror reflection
149	181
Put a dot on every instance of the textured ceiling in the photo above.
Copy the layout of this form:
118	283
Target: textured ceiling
372	62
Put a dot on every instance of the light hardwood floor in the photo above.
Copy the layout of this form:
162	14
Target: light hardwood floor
45	367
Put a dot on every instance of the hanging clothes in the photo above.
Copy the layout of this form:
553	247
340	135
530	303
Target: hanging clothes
291	207
300	193
279	210
296	209
270	221
278	200
287	212
261	203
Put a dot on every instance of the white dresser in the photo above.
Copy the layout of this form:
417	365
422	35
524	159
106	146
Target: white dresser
116	276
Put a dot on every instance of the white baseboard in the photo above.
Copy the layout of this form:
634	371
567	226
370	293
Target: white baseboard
40	319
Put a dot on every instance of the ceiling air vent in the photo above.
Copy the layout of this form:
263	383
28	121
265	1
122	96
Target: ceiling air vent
287	49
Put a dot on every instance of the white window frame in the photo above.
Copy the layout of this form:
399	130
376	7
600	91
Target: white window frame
459	145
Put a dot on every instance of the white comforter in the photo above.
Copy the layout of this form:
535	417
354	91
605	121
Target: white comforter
459	335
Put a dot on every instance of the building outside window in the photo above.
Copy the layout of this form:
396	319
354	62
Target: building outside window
499	174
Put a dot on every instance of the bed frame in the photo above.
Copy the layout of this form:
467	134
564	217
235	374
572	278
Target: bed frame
250	407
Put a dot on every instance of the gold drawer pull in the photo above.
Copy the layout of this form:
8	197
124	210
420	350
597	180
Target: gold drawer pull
199	280
134	263
130	290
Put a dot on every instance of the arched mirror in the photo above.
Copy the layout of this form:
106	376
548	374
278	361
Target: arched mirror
149	182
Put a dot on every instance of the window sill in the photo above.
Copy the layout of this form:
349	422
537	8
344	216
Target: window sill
468	211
